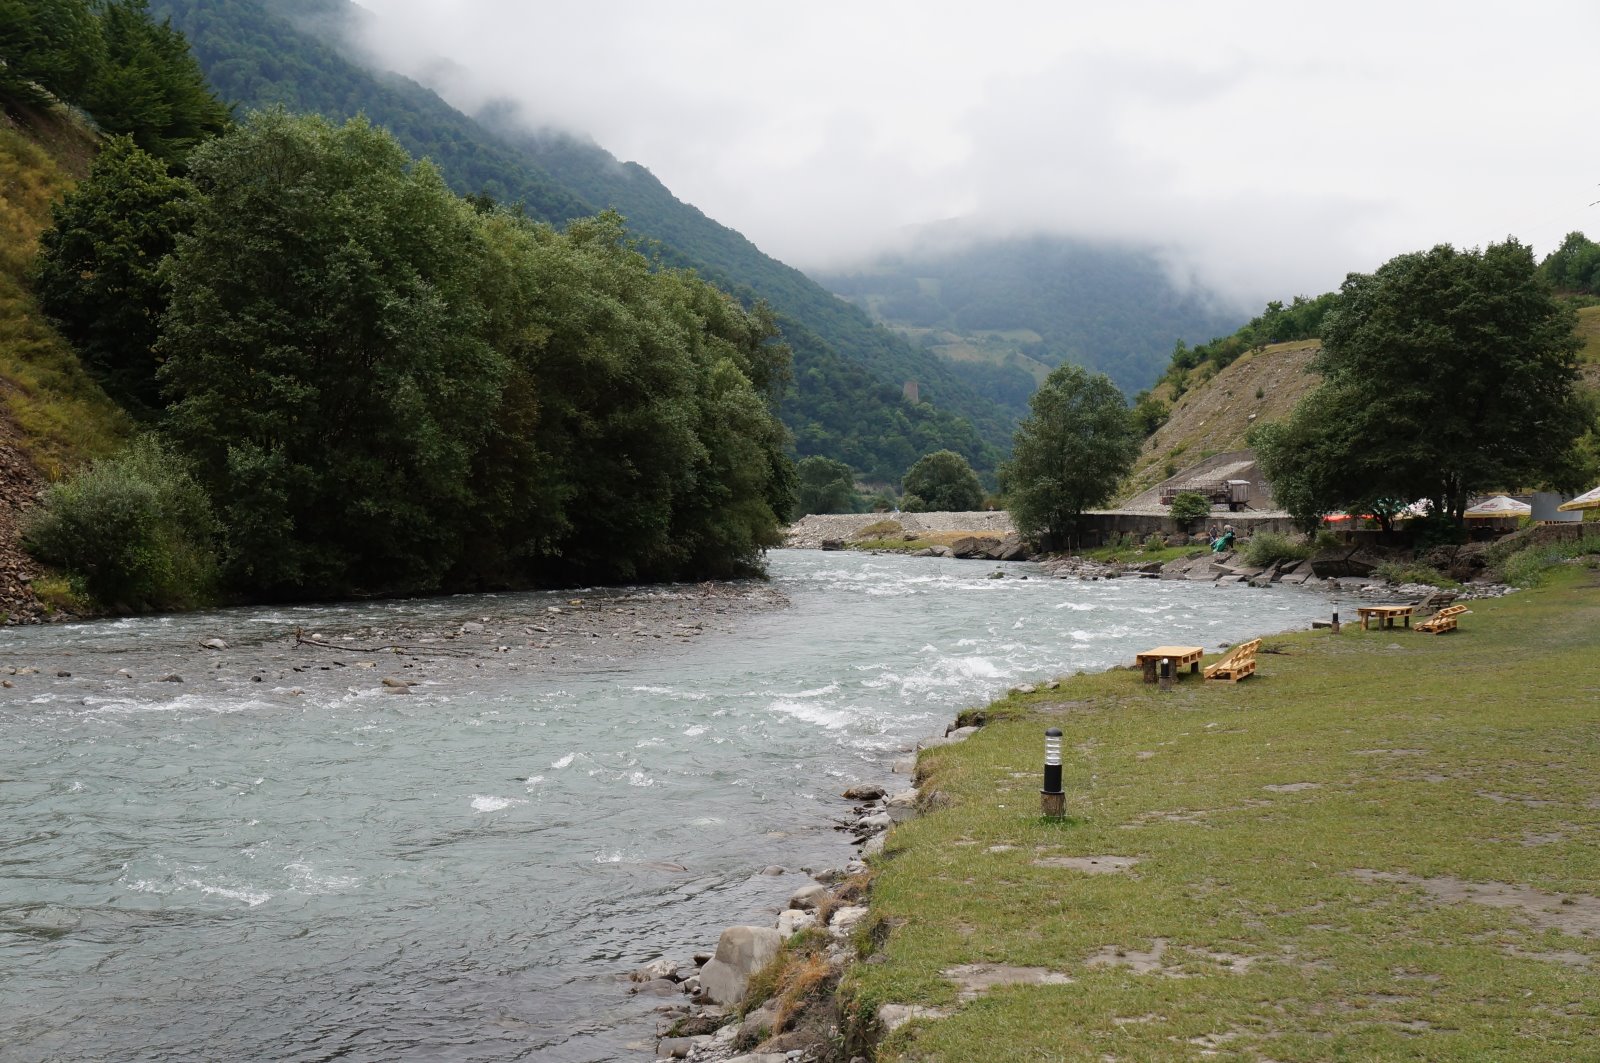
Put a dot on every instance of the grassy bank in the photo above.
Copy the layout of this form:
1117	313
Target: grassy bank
1381	846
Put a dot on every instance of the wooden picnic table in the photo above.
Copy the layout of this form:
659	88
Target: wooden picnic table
1386	615
1150	660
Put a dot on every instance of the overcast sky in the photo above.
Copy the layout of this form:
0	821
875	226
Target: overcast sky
1273	147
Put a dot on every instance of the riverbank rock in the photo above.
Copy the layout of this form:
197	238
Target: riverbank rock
741	952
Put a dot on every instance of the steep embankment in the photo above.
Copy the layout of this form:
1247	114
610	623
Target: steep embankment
52	415
1213	416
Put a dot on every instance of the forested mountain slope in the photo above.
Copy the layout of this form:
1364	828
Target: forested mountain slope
847	400
1007	311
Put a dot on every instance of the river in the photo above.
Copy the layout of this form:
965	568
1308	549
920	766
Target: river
277	859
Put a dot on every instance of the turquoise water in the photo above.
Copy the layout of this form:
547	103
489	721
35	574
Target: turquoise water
305	868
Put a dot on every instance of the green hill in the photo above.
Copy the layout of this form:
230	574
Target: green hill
847	400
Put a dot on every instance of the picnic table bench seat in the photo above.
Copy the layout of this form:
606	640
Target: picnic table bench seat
1240	662
1442	621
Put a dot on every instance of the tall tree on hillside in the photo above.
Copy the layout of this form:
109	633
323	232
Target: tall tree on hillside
1445	373
47	48
1077	444
97	274
149	86
323	357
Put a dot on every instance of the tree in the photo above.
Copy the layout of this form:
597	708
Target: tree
1077	444
47	48
1444	373
97	273
1188	507
1574	266
324	359
823	485
942	482
149	87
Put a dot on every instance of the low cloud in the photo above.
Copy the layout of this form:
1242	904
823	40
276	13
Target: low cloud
1268	154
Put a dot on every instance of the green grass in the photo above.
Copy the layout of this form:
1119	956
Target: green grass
1589	332
1467	756
63	415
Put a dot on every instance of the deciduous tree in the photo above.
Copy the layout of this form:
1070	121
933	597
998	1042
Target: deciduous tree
1078	442
942	482
1444	373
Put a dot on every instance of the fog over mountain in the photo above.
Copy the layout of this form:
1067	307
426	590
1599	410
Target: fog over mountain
1269	150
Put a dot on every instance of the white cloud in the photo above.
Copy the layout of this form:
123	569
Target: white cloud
1274	148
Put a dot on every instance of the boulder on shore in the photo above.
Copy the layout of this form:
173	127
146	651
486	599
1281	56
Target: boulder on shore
741	952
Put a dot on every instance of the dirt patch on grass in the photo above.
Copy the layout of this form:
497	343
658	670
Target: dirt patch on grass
1138	962
972	980
1089	865
1575	914
1291	787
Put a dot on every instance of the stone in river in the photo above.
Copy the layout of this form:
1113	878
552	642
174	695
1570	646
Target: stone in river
658	968
173	678
213	644
864	793
808	897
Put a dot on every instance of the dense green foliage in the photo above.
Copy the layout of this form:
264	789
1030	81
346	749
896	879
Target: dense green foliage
133	531
322	356
823	485
1269	548
1574	266
1069	455
47	48
133	76
845	401
1444	373
1188	507
384	389
97	272
941	482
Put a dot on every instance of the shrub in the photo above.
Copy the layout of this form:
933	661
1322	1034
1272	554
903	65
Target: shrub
1526	567
1412	572
133	532
1267	548
1188	507
1153	542
1327	540
881	530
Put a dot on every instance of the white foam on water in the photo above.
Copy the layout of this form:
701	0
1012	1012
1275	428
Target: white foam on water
1077	607
830	719
533	780
491	803
251	897
694	732
564	762
303	878
639	778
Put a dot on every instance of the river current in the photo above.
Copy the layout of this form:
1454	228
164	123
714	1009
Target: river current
264	863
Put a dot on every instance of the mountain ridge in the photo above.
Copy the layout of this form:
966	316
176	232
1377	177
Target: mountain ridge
847	401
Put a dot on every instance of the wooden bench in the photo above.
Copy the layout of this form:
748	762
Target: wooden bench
1442	621
1240	662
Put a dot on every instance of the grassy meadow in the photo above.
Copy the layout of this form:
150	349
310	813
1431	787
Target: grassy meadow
1382	846
63	415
